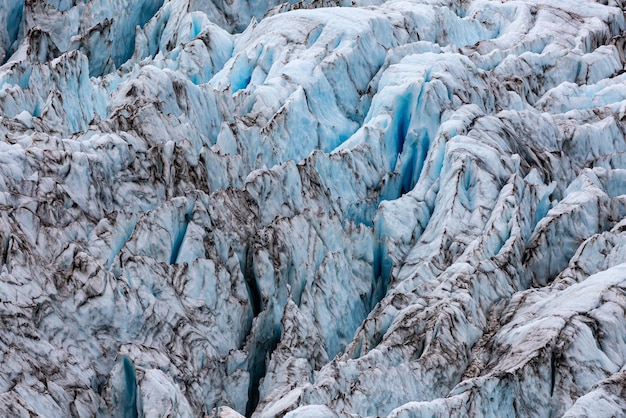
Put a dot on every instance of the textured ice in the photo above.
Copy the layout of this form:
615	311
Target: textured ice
313	209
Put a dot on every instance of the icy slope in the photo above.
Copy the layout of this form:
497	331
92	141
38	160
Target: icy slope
401	208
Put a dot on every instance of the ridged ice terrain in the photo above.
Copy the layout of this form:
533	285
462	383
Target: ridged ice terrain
331	208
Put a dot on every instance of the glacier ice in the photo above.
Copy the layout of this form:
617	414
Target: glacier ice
317	208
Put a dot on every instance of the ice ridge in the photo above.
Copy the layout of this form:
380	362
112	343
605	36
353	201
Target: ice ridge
313	209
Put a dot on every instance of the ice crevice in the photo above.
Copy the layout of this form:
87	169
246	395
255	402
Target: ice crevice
288	209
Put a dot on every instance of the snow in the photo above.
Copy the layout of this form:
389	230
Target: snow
374	208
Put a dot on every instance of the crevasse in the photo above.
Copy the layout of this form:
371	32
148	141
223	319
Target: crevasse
366	208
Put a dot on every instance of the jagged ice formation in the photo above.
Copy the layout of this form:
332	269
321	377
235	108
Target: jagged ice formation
313	209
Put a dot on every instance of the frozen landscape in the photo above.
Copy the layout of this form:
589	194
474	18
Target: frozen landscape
330	208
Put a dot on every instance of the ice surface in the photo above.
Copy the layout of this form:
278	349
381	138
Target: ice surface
317	208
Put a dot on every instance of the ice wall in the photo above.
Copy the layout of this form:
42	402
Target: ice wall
400	208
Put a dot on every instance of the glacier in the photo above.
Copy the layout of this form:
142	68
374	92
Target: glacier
366	208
